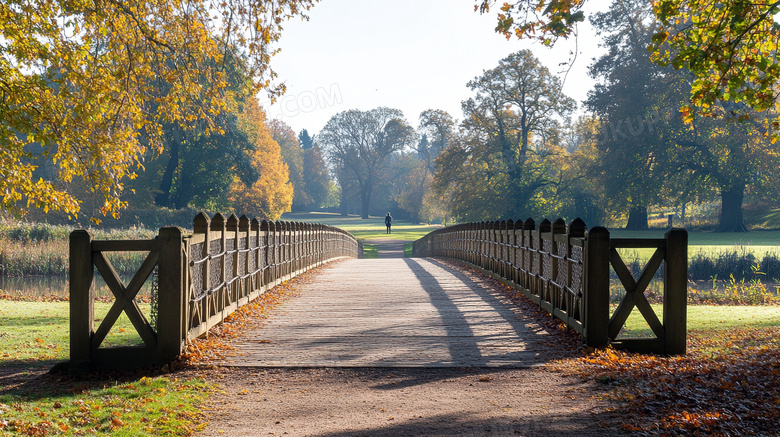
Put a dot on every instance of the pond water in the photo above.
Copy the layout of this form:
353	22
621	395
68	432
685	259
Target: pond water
55	286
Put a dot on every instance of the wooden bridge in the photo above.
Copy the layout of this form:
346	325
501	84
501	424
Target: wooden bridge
392	312
387	312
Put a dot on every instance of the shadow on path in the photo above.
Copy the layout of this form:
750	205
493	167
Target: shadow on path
456	324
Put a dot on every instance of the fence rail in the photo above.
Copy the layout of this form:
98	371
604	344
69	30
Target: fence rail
201	277
566	271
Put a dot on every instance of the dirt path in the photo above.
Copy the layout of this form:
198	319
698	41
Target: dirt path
401	402
389	248
328	400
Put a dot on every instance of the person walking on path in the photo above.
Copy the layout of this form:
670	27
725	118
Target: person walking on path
388	222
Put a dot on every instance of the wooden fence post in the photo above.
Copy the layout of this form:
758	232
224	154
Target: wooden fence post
171	296
596	317
676	291
202	225
545	227
510	250
558	227
529	226
218	301
265	228
245	284
82	297
232	291
257	278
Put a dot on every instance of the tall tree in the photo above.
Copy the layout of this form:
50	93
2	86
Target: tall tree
316	176
200	168
79	82
631	150
512	131
436	130
271	194
305	140
292	154
729	47
359	144
730	156
439	128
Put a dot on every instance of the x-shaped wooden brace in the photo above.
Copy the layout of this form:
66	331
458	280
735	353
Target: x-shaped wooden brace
635	293
125	299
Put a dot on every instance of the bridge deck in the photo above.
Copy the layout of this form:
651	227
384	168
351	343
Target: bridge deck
392	313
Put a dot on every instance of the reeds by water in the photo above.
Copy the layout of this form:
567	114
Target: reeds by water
42	249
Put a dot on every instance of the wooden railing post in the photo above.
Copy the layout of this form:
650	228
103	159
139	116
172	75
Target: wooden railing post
596	317
171	296
529	226
245	285
232	291
257	249
202	225
266	252
218	225
676	291
82	297
556	293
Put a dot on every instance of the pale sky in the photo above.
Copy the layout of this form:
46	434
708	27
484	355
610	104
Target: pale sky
411	55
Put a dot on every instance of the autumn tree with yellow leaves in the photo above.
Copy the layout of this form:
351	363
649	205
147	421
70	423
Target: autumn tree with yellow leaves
272	194
80	95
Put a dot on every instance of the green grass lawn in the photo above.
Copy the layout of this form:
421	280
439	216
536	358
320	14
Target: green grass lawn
35	335
710	244
39	331
709	318
366	230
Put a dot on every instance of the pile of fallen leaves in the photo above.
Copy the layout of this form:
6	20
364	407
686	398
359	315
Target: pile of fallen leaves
727	384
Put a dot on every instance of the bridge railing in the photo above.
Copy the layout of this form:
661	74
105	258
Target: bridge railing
198	279
566	271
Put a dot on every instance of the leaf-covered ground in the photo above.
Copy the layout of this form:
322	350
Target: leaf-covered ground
124	405
727	384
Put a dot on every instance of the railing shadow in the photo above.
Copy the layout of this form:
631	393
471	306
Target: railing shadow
466	350
539	345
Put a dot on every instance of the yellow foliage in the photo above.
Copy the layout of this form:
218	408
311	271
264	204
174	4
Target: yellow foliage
272	194
84	82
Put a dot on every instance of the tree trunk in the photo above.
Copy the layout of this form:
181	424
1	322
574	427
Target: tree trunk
343	202
365	202
731	210
163	198
637	218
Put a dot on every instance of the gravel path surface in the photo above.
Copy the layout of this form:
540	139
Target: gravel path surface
402	402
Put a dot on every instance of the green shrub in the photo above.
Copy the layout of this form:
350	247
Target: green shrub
741	266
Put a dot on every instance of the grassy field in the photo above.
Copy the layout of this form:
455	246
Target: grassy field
368	229
709	318
39	330
34	336
709	244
